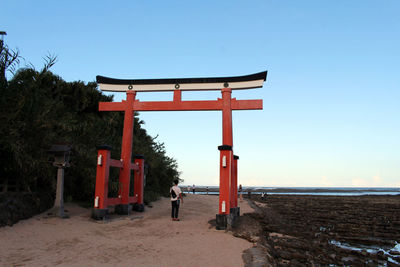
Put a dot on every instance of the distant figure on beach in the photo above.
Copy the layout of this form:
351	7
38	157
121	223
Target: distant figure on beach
194	189
176	197
207	190
240	192
188	189
262	196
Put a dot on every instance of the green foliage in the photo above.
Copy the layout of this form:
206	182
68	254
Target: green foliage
39	109
150	196
9	60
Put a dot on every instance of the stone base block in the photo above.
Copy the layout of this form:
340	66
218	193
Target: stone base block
235	211
123	209
58	212
233	215
99	214
138	207
221	221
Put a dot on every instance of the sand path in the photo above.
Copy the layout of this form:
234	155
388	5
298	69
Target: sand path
143	239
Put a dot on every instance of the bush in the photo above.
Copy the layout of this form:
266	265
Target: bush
39	109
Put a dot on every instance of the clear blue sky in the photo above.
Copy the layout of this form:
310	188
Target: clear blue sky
331	112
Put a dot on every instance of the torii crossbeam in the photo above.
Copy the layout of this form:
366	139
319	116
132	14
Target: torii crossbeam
228	168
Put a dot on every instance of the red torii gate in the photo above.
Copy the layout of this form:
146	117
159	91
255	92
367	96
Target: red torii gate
228	161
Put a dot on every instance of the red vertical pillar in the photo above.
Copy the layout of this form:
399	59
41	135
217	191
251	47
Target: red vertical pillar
138	186
102	176
126	154
225	178
234	182
226	157
227	140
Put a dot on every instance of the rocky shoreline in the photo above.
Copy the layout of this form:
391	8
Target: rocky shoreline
290	230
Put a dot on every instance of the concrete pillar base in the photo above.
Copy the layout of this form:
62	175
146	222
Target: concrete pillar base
221	221
233	215
123	209
235	211
99	214
58	212
138	207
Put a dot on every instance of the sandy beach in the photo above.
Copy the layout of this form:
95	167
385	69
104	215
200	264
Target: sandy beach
141	239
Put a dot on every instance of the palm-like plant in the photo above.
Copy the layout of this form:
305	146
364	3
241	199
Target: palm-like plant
9	61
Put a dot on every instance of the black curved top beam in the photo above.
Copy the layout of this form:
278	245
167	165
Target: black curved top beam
208	83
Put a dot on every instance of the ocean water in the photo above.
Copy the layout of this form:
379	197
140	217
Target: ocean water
318	191
330	191
389	252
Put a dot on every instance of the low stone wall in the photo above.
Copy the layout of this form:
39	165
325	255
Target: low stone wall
16	206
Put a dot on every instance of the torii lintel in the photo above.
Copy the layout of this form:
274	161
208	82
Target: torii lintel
207	105
185	84
177	85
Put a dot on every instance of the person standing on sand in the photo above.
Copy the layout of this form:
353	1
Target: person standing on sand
194	189
188	189
176	197
240	192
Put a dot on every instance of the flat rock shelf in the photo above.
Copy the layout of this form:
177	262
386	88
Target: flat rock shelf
310	230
